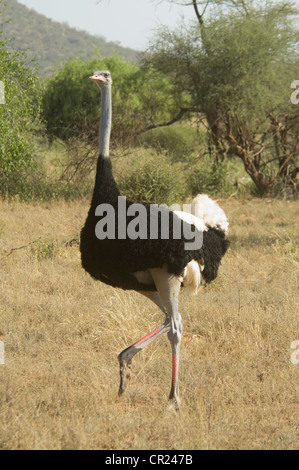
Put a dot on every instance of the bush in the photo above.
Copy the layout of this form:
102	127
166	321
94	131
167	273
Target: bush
44	250
19	121
179	142
71	104
154	179
208	177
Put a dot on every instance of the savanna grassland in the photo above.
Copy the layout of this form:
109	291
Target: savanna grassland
62	333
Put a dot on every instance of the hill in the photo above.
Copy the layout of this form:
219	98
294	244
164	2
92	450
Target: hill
48	41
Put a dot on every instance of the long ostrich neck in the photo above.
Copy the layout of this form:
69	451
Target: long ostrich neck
105	189
105	121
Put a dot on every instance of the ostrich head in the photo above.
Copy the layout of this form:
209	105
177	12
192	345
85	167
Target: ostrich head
102	78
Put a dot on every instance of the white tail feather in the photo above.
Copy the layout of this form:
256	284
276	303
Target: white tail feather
192	277
192	220
209	212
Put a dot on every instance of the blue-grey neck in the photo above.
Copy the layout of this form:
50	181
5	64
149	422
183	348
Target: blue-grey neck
105	121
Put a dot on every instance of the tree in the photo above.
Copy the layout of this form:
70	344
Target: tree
237	67
142	99
19	119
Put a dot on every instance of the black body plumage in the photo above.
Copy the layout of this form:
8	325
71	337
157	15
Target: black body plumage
113	261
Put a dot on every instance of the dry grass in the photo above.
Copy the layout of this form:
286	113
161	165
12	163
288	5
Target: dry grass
62	332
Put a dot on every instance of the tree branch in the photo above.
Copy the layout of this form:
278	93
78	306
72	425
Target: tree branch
177	118
199	16
21	247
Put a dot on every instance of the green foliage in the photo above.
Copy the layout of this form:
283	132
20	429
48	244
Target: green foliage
63	98
249	70
50	41
243	62
237	68
234	73
179	142
19	120
71	103
153	179
40	187
209	177
44	250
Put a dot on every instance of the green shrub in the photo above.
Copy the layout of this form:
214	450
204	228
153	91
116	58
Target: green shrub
179	142
208	177
71	104
19	121
154	179
44	249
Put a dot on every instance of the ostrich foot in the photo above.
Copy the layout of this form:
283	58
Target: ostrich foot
125	375
174	402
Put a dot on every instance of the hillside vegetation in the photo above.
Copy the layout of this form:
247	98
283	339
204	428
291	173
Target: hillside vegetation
48	41
187	98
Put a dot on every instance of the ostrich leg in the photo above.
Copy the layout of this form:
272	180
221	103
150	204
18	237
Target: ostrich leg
126	356
168	287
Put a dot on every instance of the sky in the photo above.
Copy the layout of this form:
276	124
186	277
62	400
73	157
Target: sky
130	22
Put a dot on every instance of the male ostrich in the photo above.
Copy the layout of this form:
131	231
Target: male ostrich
155	266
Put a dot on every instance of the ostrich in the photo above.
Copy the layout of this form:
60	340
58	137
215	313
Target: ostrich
155	266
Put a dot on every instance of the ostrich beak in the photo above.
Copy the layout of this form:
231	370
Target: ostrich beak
96	78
